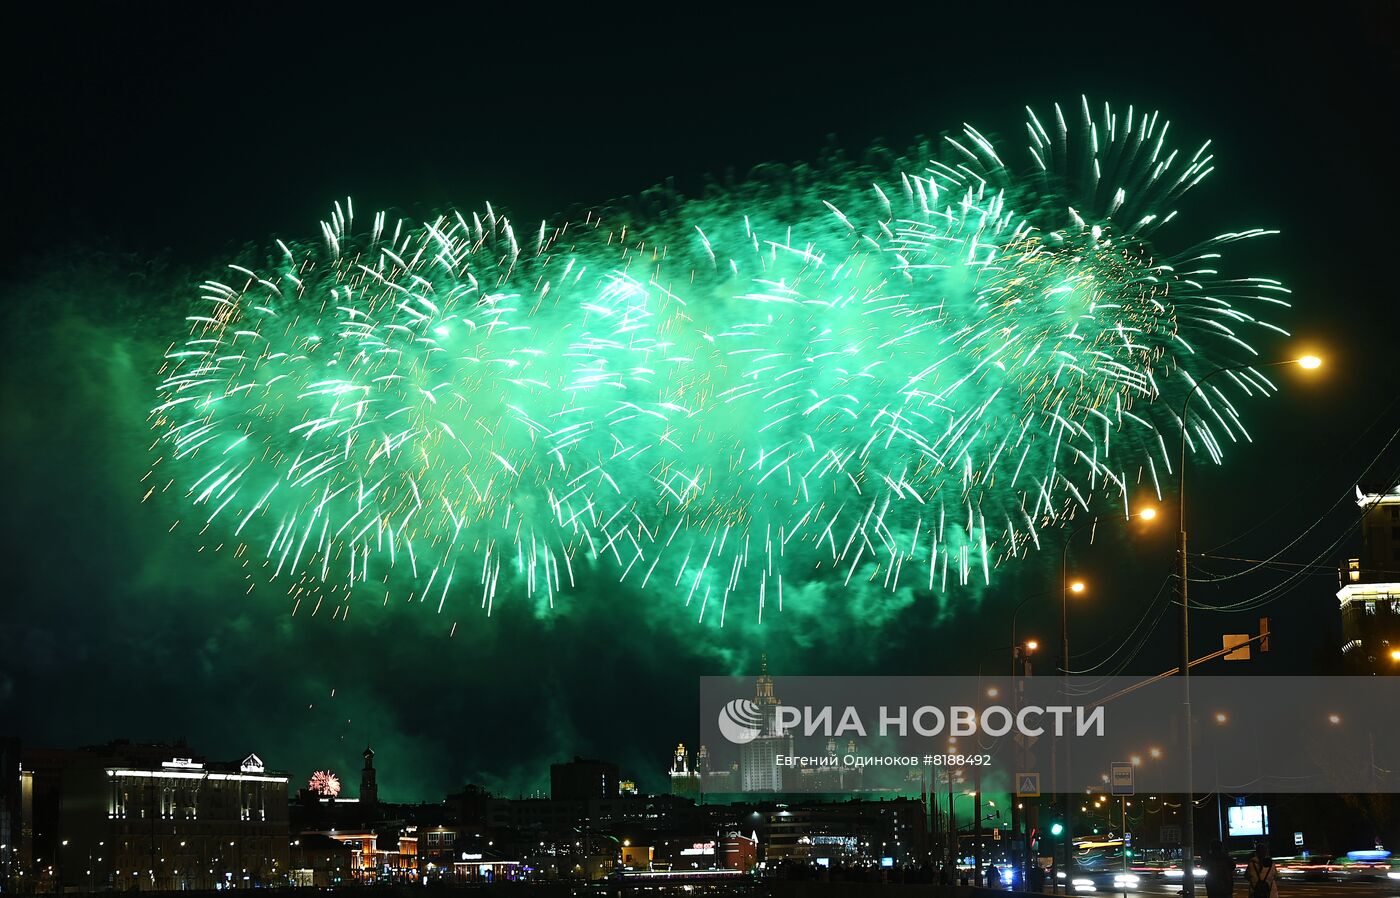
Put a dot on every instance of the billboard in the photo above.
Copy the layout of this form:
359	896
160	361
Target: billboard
1249	820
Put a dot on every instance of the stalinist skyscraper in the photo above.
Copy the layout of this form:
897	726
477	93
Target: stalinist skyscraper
758	759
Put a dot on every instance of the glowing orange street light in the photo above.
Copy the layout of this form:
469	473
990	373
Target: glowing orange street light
1188	829
1032	645
1077	587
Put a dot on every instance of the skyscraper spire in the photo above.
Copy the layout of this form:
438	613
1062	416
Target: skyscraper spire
764	696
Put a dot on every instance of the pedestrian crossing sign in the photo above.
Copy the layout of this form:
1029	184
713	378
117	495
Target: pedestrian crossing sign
1028	785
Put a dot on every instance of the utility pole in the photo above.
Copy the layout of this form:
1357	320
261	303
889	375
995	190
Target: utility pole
952	826
977	828
1124	834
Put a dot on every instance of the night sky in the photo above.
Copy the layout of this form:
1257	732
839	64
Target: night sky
143	150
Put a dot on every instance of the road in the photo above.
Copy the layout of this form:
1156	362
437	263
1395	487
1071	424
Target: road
1156	888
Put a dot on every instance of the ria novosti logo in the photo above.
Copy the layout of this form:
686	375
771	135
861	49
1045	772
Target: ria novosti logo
741	721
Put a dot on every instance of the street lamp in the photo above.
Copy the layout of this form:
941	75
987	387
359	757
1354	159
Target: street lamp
1188	830
1017	650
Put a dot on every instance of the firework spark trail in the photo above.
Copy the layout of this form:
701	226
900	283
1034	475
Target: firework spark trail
895	379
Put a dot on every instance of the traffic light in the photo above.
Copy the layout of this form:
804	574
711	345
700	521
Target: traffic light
1057	828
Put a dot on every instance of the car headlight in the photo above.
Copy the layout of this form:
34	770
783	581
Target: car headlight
1083	885
1125	879
1394	874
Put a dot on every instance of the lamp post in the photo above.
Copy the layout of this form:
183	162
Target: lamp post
1019	650
1124	842
1188	829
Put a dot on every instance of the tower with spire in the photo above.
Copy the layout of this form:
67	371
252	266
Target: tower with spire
369	788
766	700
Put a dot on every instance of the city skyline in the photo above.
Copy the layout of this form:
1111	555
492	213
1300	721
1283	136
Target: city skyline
146	161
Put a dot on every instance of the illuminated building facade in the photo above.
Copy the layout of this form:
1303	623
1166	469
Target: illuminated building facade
700	779
852	832
157	817
1370	587
637	857
685	782
438	847
484	867
727	851
376	857
24	862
